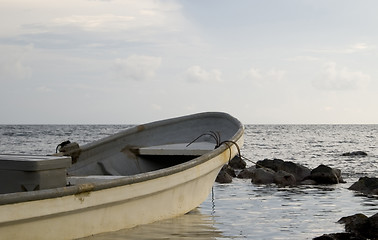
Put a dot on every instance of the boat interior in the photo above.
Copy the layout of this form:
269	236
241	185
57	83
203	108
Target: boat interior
132	152
147	148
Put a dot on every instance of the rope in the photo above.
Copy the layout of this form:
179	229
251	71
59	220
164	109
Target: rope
229	147
217	138
212	134
239	153
62	145
249	160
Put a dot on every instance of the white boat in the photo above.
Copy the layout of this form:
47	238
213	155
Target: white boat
141	175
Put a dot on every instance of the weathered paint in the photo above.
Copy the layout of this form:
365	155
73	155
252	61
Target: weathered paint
111	209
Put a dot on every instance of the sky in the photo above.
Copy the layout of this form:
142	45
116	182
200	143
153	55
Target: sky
132	61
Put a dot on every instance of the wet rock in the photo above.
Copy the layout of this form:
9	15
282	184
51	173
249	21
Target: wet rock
357	227
284	178
366	185
361	225
339	236
247	173
374	224
355	154
237	163
354	223
225	175
326	175
308	182
338	175
263	176
274	164
229	170
268	176
298	171
289	173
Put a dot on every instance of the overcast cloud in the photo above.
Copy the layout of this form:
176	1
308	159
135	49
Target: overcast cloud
128	61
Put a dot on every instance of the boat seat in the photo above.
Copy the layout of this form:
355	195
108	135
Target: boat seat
178	149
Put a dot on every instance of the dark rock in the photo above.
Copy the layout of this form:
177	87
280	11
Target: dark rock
300	174
361	225
224	175
308	182
373	220
355	154
357	227
284	178
237	163
366	185
326	175
247	173
229	170
339	236
354	223
263	176
274	164
298	171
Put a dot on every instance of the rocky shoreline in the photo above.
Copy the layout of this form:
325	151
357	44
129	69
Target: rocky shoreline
280	172
286	173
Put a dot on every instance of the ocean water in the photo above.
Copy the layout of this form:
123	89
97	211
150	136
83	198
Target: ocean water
242	210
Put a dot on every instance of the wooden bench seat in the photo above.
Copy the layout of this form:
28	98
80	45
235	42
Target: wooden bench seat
194	149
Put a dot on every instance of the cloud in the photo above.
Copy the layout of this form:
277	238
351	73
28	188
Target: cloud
136	67
340	78
92	23
105	22
156	107
260	77
253	73
277	75
198	74
141	18
303	58
353	48
358	47
125	16
44	89
12	63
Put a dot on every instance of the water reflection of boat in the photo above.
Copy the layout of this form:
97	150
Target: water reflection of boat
193	225
141	175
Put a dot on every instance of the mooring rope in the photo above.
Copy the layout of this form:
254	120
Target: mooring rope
239	153
216	136
229	147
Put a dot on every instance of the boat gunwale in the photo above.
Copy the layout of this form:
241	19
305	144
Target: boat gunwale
18	197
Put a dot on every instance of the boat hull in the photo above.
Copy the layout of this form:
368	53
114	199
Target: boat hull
112	209
124	203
